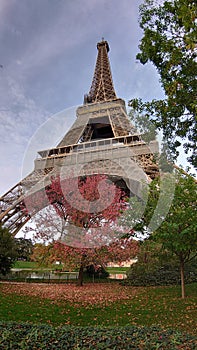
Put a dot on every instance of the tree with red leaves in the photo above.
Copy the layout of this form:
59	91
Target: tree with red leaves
82	223
90	201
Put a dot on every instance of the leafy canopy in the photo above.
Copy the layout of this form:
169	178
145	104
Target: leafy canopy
8	251
81	225
169	42
175	230
178	232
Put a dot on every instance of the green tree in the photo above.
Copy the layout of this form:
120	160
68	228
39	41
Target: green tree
8	252
158	266
169	42
24	248
177	231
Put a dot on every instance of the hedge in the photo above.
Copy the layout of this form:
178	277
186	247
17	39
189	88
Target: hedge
167	274
25	336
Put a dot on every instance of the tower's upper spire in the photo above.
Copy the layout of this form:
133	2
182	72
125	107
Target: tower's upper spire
102	88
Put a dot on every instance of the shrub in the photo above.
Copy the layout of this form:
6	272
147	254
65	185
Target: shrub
99	272
162	274
29	337
8	252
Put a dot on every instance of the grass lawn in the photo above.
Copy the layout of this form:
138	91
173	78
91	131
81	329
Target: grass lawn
34	265
25	265
119	269
99	304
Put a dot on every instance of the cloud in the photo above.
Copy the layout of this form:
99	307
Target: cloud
18	121
4	8
73	24
21	115
49	52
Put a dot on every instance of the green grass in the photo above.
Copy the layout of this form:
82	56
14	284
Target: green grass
25	265
115	270
161	306
35	265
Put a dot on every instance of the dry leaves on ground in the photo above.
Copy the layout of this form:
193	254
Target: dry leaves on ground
89	294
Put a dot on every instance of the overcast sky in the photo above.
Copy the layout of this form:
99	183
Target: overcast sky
47	61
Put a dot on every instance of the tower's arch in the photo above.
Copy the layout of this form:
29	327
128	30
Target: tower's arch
101	140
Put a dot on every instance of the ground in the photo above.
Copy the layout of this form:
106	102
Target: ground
99	304
89	294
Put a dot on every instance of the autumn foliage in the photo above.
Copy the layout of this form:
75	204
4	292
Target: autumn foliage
81	223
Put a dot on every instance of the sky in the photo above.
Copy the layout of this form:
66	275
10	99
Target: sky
47	61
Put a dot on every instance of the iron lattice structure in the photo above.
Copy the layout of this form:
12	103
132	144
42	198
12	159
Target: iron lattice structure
101	140
102	88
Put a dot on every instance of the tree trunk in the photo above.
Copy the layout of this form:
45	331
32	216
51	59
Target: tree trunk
182	278
81	269
80	277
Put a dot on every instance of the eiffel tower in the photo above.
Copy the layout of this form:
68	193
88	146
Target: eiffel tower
101	140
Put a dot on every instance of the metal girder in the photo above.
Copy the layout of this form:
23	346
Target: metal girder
102	88
87	147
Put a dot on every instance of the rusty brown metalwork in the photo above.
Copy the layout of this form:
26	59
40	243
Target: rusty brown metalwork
102	88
